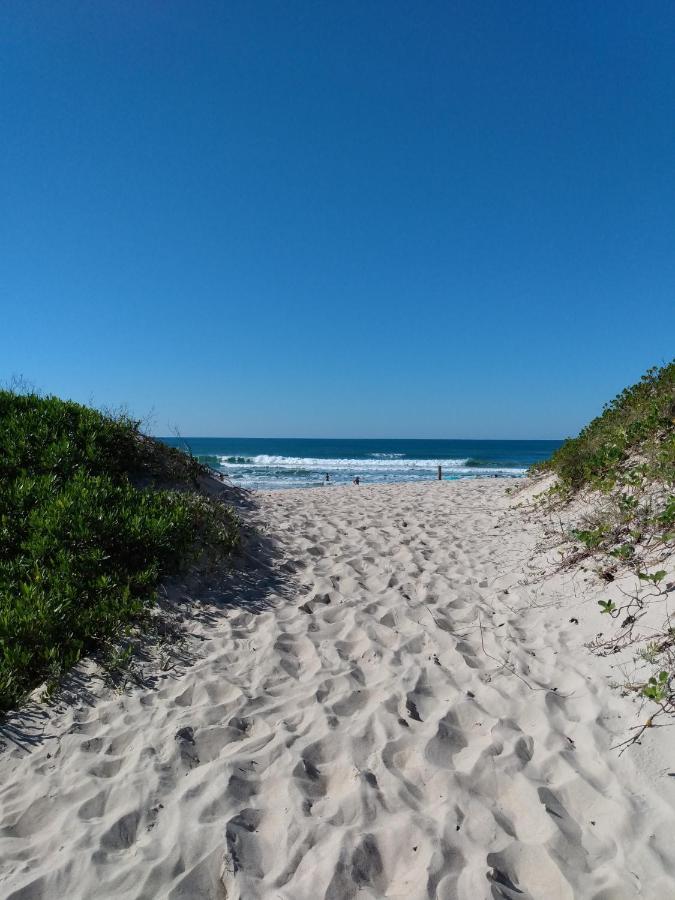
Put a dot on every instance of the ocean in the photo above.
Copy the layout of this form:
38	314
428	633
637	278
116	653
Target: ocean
275	463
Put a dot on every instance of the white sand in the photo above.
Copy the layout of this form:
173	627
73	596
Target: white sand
394	716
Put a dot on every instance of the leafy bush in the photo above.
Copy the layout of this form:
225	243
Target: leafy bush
640	418
82	546
628	452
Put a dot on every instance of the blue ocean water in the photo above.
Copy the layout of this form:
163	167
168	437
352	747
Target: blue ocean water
271	463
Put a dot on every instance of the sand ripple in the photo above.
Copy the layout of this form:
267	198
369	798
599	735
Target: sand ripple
404	722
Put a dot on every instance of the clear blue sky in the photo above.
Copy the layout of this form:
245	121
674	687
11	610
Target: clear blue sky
445	219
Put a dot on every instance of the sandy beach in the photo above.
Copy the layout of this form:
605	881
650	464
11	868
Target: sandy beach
380	701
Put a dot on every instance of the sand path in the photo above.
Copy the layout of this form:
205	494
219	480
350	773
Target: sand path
393	715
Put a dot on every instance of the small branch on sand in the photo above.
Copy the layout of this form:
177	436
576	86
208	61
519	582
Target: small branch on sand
640	729
502	662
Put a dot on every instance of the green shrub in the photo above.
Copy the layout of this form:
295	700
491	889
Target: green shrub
638	421
82	548
629	453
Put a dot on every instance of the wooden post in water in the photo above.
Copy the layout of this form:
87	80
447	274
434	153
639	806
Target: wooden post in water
440	474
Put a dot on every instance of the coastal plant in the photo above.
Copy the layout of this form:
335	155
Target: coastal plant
623	463
93	515
650	652
657	688
615	481
607	606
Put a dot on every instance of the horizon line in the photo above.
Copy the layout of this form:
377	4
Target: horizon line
232	437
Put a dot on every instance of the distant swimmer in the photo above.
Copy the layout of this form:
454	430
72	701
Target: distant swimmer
357	480
327	478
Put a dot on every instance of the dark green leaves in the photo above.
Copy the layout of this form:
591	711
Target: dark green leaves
81	548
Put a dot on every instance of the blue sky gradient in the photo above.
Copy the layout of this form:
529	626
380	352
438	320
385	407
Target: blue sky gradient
338	219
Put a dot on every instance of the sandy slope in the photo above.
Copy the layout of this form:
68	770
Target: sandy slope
383	712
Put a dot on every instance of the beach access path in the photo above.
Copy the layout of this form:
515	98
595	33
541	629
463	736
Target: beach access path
384	699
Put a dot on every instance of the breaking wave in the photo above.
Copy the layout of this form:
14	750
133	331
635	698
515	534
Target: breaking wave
276	471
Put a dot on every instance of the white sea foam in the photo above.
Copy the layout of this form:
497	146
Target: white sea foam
275	472
326	465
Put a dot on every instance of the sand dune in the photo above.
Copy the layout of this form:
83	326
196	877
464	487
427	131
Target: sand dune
377	706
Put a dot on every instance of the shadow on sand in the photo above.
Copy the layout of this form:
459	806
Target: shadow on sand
255	579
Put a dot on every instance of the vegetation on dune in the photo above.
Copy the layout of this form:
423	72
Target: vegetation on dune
628	455
93	515
633	440
623	463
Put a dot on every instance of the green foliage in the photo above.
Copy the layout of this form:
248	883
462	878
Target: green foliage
655	577
628	452
667	518
607	606
657	688
590	538
639	419
623	552
82	547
